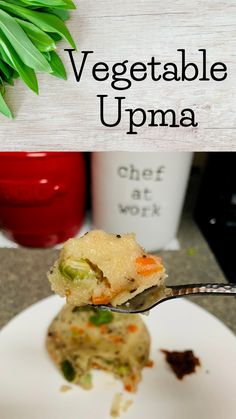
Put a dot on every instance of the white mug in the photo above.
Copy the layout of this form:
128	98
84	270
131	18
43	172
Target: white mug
142	193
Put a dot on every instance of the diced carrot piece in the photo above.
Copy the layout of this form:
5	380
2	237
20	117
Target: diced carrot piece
101	299
129	387
150	270
98	367
132	328
103	328
89	324
144	261
116	339
95	365
149	364
148	265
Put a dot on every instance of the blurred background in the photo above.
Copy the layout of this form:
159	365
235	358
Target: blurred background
45	198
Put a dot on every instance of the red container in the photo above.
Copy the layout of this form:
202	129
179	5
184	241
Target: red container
42	196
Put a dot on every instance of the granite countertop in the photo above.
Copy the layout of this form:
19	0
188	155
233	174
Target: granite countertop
23	278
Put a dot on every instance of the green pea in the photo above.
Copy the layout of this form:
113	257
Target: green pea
73	269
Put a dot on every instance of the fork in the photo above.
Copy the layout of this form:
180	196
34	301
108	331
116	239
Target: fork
153	296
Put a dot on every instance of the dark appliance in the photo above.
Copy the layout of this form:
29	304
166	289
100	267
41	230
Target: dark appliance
215	211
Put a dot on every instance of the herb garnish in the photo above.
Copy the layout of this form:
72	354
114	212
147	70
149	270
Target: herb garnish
101	317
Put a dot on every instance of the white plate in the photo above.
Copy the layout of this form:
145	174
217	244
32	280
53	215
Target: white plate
30	384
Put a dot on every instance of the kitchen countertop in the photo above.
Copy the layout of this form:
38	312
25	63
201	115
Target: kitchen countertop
23	274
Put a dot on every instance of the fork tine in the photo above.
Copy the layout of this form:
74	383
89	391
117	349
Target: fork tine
140	303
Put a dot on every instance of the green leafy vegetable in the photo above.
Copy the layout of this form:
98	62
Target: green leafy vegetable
5	70
68	370
57	66
63	14
48	22
29	31
22	45
27	74
4	108
40	39
101	317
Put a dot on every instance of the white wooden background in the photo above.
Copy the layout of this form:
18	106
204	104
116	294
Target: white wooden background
65	116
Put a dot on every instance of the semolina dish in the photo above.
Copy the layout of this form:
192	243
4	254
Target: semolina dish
80	339
101	268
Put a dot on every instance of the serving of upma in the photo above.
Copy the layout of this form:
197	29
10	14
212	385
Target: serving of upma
101	268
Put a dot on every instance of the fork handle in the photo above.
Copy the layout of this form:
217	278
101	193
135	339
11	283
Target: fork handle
217	289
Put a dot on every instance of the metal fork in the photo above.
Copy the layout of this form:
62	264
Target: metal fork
153	296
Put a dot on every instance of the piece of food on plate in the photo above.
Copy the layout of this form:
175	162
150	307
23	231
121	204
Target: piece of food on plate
101	268
182	362
80	339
